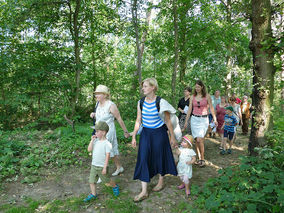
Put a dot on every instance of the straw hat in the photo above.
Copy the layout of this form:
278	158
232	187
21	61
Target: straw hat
102	89
189	139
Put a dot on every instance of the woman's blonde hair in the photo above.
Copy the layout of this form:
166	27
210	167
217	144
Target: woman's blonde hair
152	82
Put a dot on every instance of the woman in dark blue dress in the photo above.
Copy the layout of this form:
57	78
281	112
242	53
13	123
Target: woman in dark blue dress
154	154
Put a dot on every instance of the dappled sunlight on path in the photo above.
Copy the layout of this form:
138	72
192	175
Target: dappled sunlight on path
73	181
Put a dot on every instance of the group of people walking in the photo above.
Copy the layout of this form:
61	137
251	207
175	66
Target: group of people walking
158	146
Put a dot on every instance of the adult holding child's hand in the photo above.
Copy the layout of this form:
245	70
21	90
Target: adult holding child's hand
107	111
198	106
154	154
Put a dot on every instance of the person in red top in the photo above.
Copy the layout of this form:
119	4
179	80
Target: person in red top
238	101
198	105
220	114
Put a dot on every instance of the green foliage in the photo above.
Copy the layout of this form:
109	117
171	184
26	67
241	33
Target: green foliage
24	152
256	185
31	206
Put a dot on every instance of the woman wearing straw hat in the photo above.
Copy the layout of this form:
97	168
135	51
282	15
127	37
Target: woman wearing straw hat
107	111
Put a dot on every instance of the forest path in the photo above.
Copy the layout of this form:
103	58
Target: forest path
73	182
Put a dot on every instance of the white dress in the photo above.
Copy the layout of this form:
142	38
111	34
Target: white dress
104	114
186	155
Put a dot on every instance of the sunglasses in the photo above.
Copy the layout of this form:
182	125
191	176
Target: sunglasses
198	104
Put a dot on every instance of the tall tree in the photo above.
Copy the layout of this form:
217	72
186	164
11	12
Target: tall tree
140	43
263	72
174	74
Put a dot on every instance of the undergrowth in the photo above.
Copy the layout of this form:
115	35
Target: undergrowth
24	152
255	185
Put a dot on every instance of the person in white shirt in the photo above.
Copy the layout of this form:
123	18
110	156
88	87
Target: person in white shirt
100	148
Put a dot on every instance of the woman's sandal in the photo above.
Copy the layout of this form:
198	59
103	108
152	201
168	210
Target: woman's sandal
138	198
202	163
197	162
157	189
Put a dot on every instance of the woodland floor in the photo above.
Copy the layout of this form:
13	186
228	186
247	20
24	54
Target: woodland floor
73	182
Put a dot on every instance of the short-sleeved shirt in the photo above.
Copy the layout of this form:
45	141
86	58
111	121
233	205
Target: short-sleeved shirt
100	149
215	101
230	123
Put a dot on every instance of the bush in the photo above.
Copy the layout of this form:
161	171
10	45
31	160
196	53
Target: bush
256	185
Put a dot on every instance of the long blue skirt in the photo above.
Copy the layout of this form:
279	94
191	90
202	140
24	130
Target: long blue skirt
154	155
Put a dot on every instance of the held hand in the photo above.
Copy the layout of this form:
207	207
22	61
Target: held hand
93	137
104	171
174	143
133	143
92	115
126	135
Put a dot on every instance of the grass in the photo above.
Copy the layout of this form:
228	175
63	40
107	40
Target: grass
105	202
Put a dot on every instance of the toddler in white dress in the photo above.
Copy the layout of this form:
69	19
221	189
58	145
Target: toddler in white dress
187	157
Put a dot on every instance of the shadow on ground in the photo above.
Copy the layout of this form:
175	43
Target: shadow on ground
73	182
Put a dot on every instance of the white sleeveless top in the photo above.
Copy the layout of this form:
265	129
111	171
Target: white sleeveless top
103	114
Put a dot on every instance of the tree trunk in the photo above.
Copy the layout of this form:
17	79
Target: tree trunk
138	62
77	55
139	44
93	57
174	74
263	73
229	60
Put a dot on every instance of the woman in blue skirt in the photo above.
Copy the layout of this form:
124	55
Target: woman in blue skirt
155	153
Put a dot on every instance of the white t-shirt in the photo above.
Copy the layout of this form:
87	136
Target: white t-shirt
100	149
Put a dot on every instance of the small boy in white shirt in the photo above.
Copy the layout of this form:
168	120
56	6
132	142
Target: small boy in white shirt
101	148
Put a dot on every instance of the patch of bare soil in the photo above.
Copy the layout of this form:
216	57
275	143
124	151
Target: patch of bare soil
73	182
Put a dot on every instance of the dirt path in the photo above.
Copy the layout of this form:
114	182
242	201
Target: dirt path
74	182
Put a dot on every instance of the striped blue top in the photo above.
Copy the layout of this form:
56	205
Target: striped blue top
150	116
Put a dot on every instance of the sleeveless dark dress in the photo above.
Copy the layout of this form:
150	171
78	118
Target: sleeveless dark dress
154	154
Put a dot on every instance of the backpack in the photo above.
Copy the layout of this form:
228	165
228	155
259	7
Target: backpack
173	117
94	119
158	99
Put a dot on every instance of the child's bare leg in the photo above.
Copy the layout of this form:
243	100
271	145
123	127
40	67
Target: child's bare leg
223	143
93	188
230	143
187	185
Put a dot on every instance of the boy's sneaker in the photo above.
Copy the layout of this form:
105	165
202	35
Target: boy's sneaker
229	151
115	190
118	171
99	180
90	197
223	152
